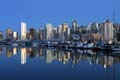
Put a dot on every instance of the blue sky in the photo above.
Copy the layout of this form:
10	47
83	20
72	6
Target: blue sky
36	13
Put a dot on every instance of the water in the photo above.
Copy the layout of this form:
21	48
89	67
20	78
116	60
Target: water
55	64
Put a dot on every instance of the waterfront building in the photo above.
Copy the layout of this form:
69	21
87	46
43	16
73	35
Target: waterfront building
68	34
27	35
94	27
116	28
40	34
9	34
32	35
101	30
49	32
116	31
64	26
23	30
15	35
64	31
43	34
55	33
96	37
60	32
108	31
74	26
80	30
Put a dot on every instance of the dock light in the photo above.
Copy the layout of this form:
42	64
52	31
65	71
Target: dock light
48	42
110	42
105	66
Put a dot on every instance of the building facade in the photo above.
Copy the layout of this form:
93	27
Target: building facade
49	32
108	31
9	34
23	30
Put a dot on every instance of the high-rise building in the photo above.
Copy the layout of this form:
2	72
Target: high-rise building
74	26
108	31
32	34
65	31
15	35
40	34
9	34
49	32
68	34
64	26
60	32
55	33
43	34
23	30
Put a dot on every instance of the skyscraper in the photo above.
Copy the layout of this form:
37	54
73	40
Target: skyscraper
74	26
15	35
64	26
68	34
40	34
64	31
23	30
9	34
55	33
32	34
60	32
49	32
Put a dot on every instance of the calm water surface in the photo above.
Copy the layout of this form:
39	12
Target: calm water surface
56	64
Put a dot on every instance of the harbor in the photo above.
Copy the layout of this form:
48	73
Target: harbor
98	46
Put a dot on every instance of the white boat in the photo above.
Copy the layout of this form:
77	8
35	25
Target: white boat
111	47
14	44
90	45
35	45
116	49
79	45
85	45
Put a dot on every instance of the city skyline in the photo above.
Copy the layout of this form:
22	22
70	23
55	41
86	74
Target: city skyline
106	31
60	39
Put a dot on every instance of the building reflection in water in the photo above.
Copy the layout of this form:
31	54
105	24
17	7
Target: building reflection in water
9	52
50	56
14	51
1	50
23	55
72	57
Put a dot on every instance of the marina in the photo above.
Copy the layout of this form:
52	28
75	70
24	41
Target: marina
66	45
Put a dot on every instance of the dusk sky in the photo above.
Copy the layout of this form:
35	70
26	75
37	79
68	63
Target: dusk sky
36	13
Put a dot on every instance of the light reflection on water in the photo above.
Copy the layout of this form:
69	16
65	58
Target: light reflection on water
65	60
